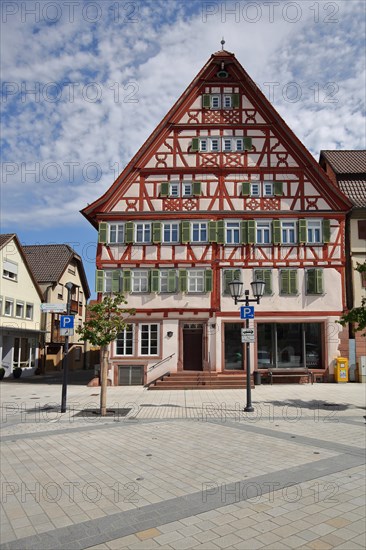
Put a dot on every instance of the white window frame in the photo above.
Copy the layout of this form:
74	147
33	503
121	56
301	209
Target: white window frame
227	144
187	189
213	142
163	281
119	233
261	229
129	330
140	281
31	306
215	98
150	341
21	305
239	141
232	228
288	227
11	302
146	232
204	145
196	281
255	189
267	188
202	226
310	231
226	97
10	270
108	281
174	189
169	227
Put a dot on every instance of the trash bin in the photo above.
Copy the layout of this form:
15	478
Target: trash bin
257	378
341	370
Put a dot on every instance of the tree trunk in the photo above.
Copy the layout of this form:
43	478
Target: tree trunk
104	354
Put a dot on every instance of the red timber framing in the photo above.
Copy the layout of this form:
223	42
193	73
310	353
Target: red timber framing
223	150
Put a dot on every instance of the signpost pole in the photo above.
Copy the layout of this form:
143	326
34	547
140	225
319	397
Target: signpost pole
69	287
249	407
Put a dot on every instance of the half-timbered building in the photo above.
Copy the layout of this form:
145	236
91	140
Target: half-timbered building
222	190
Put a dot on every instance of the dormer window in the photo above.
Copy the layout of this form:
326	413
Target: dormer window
220	101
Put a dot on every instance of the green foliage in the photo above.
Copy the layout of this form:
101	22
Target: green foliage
106	320
356	315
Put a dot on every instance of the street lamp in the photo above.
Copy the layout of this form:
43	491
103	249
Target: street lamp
69	287
236	291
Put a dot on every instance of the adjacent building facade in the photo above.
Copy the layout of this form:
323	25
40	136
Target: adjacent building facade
20	309
222	190
347	170
53	266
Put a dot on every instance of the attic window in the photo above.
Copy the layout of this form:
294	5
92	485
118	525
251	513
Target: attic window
222	74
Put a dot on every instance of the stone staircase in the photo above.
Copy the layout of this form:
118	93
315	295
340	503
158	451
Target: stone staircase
201	380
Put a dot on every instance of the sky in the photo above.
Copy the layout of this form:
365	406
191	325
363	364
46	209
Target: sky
84	83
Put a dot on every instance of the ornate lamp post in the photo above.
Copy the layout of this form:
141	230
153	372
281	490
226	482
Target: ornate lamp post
236	291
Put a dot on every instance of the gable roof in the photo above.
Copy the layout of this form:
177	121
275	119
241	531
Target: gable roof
349	167
337	201
49	262
6	238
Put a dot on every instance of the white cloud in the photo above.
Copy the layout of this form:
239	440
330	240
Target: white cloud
153	60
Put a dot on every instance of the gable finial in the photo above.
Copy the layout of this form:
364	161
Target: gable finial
222	43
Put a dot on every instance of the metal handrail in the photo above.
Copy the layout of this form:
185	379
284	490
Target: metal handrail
160	362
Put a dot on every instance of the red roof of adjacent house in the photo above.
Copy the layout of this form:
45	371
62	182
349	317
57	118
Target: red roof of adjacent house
346	162
349	167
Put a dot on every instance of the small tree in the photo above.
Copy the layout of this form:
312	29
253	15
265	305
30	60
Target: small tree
357	314
106	320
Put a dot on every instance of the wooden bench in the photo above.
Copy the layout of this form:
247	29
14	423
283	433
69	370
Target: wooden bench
290	373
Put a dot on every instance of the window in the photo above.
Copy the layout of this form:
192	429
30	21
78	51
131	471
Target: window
263	188
108	281
170	232
199	232
167	280
263	230
228	101
288	281
227	144
124	341
314	231
19	310
288	231
143	232
267	189
215	101
266	276
239	144
29	311
140	280
174	189
255	190
215	144
71	269
363	279
111	281
10	270
361	224
116	233
1	305
314	281
232	232
186	189
60	291
196	280
149	335
230	275
8	308
203	145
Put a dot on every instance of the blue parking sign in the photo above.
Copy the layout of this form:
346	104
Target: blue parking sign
247	312
67	321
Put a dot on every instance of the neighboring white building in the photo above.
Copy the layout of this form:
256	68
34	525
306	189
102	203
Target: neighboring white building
20	309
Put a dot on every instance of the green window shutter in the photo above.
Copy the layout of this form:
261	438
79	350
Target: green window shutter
235	98
212	232
197	188
221	232
228	277
244	232
103	232
154	280
206	102
126	280
302	231
195	145
208	280
172	280
185	231
129	232
99	280
310	281
284	282
183	280
116	279
251	231
267	278
248	146
278	188
319	281
156	232
293	281
164	189
326	231
276	230
245	188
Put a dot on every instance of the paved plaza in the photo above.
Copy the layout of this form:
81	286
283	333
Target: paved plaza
183	469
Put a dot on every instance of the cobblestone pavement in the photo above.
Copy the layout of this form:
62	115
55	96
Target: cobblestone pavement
183	469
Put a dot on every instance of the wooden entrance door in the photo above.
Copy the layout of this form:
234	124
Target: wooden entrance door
192	348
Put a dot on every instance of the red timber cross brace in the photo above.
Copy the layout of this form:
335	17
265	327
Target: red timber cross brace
222	190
